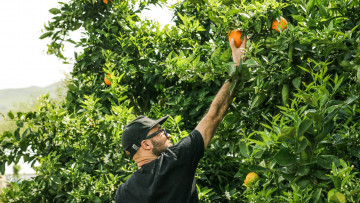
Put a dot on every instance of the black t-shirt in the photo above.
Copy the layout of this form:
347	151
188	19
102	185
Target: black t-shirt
169	178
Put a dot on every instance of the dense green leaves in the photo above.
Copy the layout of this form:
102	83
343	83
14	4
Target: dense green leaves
326	161
285	158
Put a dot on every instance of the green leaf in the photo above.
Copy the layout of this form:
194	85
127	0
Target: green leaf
338	83
178	119
45	35
354	192
97	199
334	46
243	149
321	175
232	12
200	29
270	191
11	115
26	133
337	182
55	11
303	170
322	11
301	145
245	74
296	82
183	19
299	18
326	161
19	123
231	69
257	26
304	126
56	179
251	62
287	133
316	195
257	153
337	198
303	183
259	99
226	55
6	142
328	126
310	5
304	69
312	113
216	53
238	174
245	15
285	158
233	85
90	159
285	94
355	151
17	134
351	100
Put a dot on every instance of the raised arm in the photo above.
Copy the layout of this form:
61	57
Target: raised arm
221	102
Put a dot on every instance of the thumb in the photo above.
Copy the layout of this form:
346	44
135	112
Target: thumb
232	43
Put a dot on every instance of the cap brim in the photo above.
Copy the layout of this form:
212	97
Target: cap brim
160	121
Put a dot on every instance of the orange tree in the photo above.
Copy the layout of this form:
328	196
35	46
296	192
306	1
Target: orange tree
294	121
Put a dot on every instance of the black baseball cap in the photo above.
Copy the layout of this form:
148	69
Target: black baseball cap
136	131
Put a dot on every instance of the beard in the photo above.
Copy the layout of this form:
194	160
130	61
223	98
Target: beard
158	147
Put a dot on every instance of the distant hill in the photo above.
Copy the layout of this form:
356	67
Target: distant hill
12	98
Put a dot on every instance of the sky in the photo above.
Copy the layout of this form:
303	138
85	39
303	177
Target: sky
23	58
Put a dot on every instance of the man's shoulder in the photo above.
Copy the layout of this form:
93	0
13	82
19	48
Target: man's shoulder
119	194
192	146
126	188
193	135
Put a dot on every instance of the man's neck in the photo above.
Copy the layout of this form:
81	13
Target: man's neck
144	160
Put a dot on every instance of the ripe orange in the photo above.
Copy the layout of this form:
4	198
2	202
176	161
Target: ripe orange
283	24
251	178
236	35
106	79
105	1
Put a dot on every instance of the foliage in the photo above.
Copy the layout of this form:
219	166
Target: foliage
294	121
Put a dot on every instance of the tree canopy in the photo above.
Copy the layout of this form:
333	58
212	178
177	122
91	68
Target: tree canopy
294	120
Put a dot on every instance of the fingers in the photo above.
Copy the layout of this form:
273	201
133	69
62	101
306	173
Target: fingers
232	44
243	44
238	52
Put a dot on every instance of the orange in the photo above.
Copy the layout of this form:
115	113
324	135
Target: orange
105	1
106	79
236	35
251	178
283	24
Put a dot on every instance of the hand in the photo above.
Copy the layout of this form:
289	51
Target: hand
238	53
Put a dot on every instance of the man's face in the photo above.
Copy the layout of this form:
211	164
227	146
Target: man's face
160	142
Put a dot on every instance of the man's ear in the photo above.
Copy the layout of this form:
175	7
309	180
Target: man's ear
146	144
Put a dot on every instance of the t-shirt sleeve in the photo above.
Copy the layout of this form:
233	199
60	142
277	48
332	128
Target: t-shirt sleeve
190	149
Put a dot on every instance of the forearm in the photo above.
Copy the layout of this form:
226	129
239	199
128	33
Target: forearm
216	113
221	102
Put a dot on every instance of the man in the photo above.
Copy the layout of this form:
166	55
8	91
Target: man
166	173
